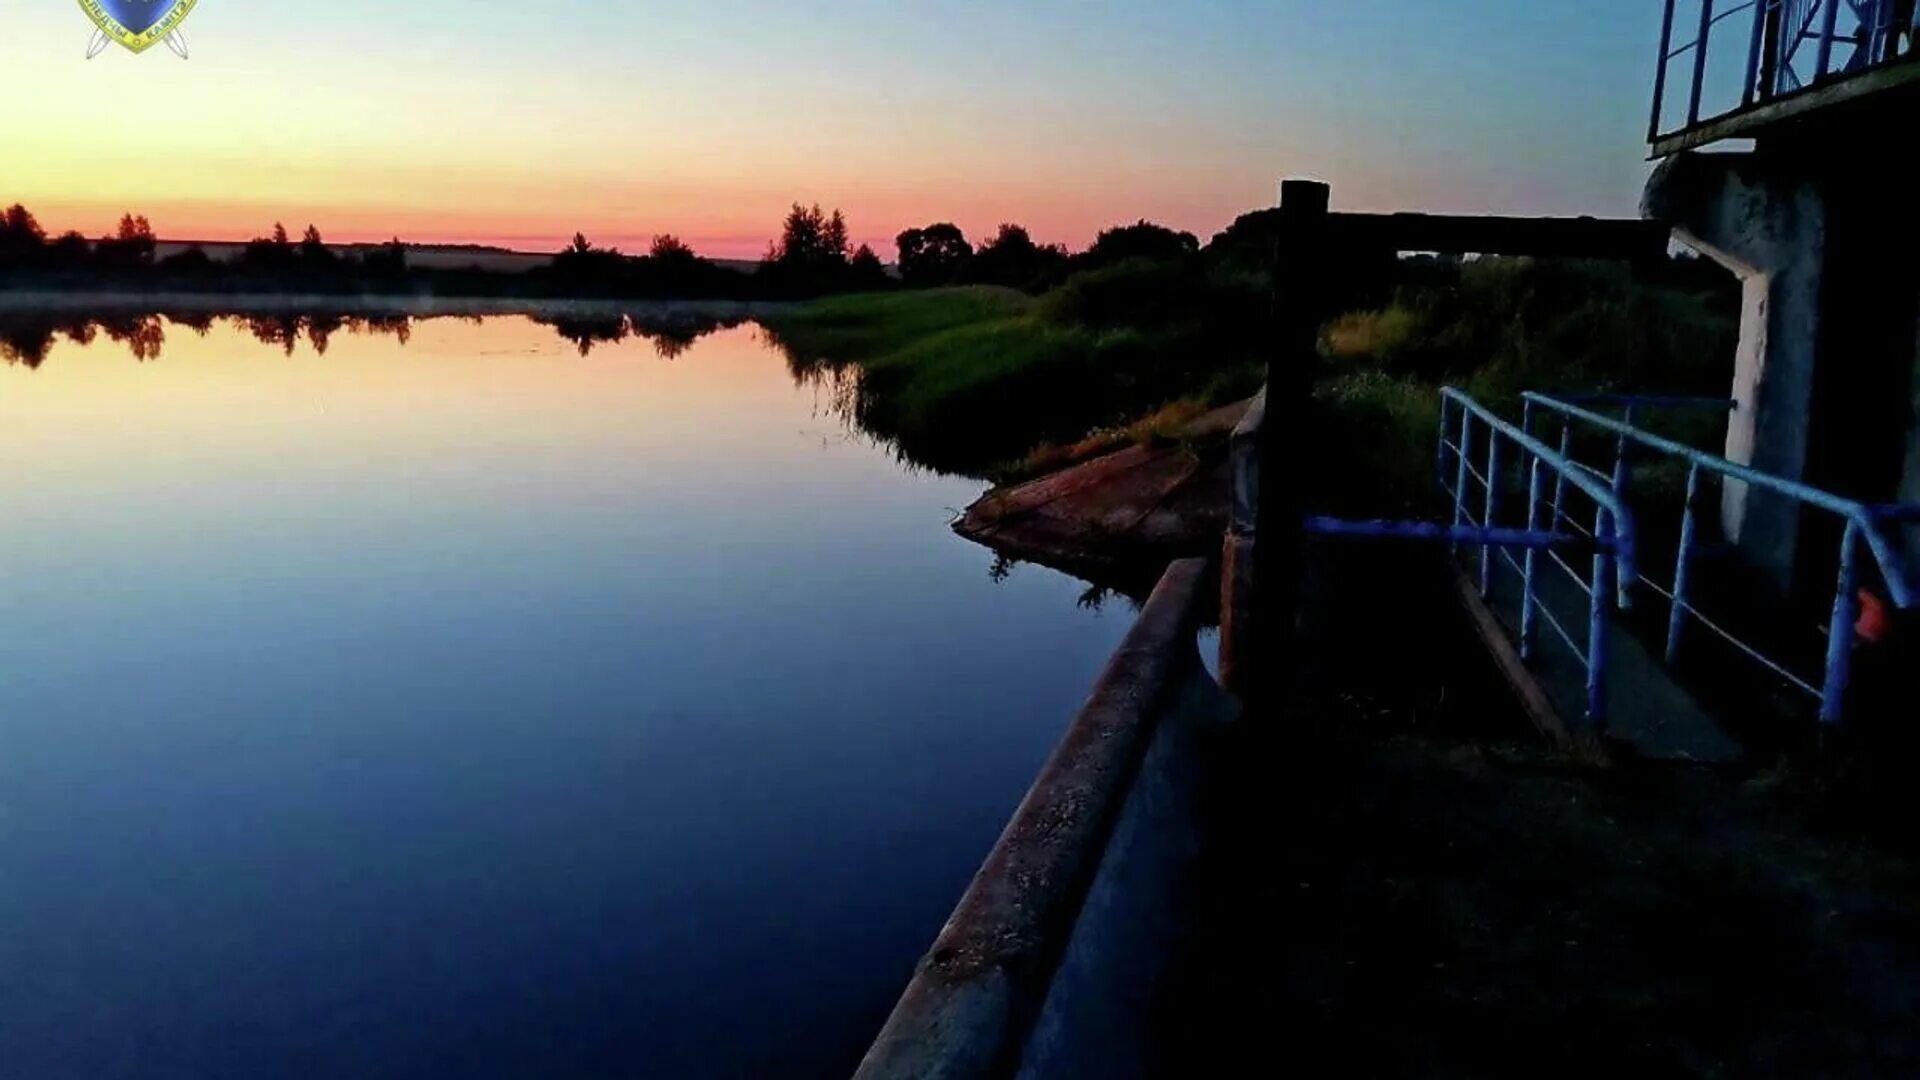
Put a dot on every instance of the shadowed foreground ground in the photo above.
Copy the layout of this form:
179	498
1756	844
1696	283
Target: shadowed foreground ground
1414	888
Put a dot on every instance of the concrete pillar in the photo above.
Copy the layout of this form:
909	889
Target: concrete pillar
1768	225
1827	373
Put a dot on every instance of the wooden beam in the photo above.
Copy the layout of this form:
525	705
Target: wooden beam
1573	238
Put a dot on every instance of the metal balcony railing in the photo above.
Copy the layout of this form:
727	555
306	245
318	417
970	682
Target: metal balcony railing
1719	58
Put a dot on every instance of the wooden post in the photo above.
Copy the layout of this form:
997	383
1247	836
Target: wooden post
1300	263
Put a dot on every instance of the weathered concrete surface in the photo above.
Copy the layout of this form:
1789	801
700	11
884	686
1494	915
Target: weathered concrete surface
975	999
1103	1013
1120	518
1768	226
1825	375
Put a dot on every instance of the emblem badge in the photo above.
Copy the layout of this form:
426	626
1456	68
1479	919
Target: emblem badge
137	24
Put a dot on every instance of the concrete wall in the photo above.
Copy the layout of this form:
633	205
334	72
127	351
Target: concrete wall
1767	226
1825	373
1050	961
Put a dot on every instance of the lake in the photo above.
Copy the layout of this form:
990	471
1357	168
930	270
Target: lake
452	697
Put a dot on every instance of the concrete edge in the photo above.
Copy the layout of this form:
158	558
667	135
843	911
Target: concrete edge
1239	625
975	996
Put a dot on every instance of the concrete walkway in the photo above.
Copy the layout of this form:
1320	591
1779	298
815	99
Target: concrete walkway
1649	709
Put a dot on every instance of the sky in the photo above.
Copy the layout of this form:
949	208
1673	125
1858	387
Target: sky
515	123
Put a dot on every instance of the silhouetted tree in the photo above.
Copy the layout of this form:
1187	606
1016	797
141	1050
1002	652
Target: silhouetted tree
69	251
668	248
810	240
935	255
583	268
865	271
833	236
191	261
22	240
314	252
811	254
269	254
130	247
1012	258
1141	240
387	260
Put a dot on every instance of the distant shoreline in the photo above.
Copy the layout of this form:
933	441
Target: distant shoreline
83	302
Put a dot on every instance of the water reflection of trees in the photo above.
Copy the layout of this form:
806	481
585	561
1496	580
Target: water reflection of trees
671	334
26	339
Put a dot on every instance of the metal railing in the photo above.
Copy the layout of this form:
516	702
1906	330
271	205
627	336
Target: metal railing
1614	567
1864	528
1783	46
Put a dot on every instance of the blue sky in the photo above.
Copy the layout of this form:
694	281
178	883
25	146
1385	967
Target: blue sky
503	120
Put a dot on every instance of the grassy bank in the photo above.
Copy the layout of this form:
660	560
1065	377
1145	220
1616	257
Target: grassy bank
992	381
973	379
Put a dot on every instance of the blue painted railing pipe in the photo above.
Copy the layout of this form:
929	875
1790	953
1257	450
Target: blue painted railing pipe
1616	513
1598	649
1491	516
1560	478
1660	72
1683	566
1700	62
1460	479
1427	531
1846	609
1859	515
1824	63
1530	619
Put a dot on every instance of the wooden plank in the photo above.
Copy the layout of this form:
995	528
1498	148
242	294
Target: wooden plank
1527	691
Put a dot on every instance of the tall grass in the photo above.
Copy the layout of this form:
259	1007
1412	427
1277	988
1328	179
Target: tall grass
967	379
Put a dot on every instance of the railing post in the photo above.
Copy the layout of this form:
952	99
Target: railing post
1493	508
1522	463
1750	90
1846	610
1529	619
1440	449
1683	566
1290	372
1463	473
1621	464
1828	27
1660	73
1772	49
1700	62
1598	647
1560	477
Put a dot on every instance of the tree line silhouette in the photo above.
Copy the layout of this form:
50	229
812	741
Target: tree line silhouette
813	255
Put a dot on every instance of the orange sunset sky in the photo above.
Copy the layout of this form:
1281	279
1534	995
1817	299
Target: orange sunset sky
500	122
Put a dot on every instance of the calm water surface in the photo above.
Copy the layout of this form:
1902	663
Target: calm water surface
470	707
